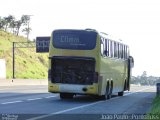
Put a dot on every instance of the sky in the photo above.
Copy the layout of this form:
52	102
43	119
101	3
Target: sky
136	22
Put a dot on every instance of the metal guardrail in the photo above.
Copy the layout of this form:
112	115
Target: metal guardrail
24	44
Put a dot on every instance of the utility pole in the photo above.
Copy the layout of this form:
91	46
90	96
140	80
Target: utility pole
13	61
28	32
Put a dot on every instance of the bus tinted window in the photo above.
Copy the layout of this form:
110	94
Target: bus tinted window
74	39
115	50
111	48
102	47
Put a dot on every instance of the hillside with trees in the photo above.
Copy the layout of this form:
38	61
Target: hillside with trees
14	26
28	63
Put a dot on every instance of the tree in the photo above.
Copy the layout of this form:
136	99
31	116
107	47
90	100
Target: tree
144	74
144	78
12	24
18	26
27	31
25	21
2	23
8	21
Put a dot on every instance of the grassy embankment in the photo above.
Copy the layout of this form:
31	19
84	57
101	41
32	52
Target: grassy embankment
28	63
156	106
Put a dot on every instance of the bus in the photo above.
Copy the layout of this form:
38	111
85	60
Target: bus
87	62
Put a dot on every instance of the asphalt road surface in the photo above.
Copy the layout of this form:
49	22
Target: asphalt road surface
35	103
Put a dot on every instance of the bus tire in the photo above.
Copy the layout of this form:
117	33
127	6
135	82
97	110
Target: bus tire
66	95
110	90
122	92
107	94
125	85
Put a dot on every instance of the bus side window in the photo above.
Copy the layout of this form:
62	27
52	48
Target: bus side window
111	49
115	49
105	51
121	51
106	47
124	52
127	53
102	46
118	50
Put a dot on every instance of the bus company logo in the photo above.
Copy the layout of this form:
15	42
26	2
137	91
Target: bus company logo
9	117
69	39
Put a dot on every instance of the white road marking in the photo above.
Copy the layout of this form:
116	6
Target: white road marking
51	96
63	111
82	106
34	99
12	88
11	102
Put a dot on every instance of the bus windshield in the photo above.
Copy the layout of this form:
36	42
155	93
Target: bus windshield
74	39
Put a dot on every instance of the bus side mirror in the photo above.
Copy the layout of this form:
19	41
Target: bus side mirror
131	59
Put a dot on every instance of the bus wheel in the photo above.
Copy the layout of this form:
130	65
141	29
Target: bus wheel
66	95
107	94
120	93
125	85
110	91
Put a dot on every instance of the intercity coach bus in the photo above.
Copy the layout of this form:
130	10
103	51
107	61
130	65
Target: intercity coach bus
87	62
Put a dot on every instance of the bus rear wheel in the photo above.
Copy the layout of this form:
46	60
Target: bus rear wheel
108	93
66	95
120	93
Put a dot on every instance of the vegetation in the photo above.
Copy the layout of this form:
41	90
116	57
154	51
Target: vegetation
29	64
149	80
155	110
145	80
10	24
156	106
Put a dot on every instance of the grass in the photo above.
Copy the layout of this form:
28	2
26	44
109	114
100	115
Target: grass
156	106
154	114
28	63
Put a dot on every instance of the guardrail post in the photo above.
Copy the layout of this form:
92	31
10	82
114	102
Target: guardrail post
158	89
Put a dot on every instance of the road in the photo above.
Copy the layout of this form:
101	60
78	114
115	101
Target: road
33	102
